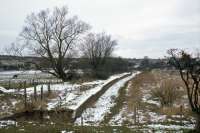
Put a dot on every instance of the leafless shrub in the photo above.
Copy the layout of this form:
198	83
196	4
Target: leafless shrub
167	93
98	48
32	105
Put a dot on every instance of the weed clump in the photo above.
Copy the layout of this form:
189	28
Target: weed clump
167	92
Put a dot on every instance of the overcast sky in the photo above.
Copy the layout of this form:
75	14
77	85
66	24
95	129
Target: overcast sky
142	27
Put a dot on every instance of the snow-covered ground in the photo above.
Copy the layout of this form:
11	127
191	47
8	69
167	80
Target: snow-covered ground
148	117
73	99
67	132
7	123
73	95
95	114
14	72
28	74
68	95
174	127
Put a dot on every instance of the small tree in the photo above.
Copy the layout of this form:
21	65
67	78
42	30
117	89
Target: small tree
189	69
52	36
97	48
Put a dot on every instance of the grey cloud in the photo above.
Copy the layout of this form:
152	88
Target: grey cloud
142	27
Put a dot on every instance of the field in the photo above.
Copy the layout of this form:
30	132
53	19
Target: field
126	102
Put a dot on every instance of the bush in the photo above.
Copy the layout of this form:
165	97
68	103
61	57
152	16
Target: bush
101	74
31	105
167	93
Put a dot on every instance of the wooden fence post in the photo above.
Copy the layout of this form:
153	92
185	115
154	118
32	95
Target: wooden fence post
138	116
135	114
35	91
81	124
41	108
25	95
81	121
49	88
9	84
20	86
41	94
181	114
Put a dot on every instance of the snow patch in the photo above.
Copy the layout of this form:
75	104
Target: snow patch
175	127
7	123
94	115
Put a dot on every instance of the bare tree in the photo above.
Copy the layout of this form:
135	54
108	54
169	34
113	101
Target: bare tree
52	36
97	48
189	69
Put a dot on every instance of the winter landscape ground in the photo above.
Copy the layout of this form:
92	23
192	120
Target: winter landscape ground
100	66
127	105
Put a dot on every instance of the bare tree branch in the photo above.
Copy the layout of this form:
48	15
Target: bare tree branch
51	35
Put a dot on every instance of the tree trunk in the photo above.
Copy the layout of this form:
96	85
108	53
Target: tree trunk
197	122
63	76
61	73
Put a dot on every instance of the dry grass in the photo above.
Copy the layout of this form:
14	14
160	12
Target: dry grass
171	94
30	106
136	86
176	111
167	93
82	80
145	78
7	104
134	95
50	95
33	104
85	87
169	111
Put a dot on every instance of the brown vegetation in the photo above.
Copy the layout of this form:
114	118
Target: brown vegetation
167	92
149	88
